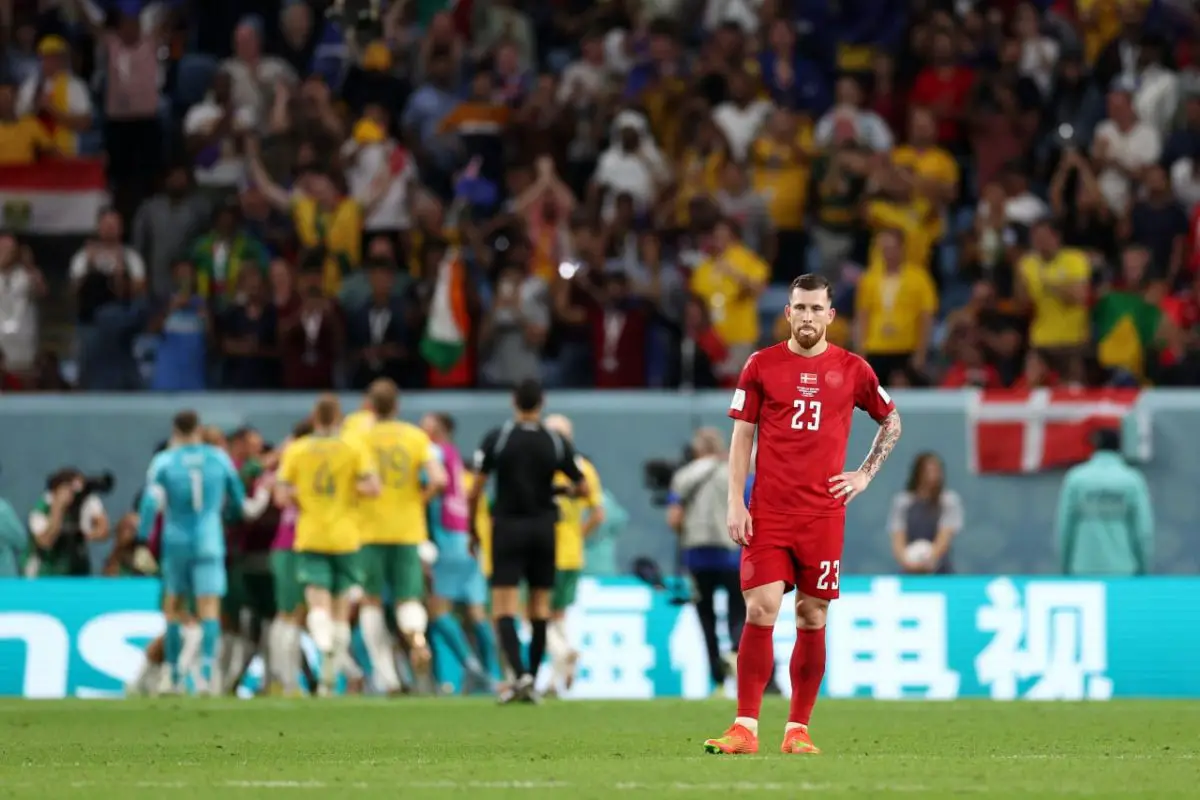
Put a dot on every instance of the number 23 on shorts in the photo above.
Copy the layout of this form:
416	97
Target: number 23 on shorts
830	574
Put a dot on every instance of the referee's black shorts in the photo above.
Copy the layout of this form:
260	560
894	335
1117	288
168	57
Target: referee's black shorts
523	550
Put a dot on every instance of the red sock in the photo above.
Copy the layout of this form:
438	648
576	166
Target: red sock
756	658
807	669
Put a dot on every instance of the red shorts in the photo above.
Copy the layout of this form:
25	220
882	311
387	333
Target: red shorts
802	551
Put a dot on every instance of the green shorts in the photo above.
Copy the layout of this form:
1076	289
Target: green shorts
334	572
566	581
393	566
289	594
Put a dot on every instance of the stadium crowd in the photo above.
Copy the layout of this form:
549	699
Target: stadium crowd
604	194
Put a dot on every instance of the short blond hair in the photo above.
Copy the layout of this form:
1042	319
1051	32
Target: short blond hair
383	396
327	411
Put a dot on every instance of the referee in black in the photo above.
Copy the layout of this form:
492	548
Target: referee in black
524	457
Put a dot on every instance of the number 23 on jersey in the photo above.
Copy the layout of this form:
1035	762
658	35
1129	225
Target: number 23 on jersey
807	416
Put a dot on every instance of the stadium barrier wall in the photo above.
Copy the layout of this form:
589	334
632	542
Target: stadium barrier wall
889	638
1009	519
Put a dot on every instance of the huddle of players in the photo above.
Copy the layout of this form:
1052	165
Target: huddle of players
365	504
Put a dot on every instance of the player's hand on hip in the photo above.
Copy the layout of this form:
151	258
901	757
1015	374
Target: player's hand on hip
740	528
848	485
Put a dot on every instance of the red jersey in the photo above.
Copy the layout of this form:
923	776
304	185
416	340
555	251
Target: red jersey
803	407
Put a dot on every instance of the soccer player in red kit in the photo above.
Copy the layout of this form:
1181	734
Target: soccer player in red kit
801	395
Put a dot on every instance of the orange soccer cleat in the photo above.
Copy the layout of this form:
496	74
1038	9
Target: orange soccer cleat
737	741
797	742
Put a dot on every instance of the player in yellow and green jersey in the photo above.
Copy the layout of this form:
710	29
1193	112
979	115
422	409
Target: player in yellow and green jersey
394	528
577	518
325	476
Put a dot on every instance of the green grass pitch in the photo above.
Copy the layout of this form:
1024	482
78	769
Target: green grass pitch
445	748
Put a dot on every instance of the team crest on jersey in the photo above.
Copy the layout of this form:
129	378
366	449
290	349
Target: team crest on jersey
834	379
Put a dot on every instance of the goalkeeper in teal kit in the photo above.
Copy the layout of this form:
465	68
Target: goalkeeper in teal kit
190	483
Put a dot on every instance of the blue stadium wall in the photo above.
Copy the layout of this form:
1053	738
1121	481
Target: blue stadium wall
1009	520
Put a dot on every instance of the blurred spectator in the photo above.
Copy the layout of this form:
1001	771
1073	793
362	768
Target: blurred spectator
738	202
514	330
631	165
1036	373
183	328
298	36
742	116
839	177
780	162
620	326
372	156
328	223
223	253
214	130
1086	220
730	280
379	335
248	333
848	121
133	134
1156	98
944	87
935	174
1039	53
62	525
477	126
894	308
1122	148
165	226
1053	280
118	315
506	28
22	138
22	288
968	368
428	105
60	100
102	258
1157	223
928	513
696	359
1131	328
313	337
254	76
793	81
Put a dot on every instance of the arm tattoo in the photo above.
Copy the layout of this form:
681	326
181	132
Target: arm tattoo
885	440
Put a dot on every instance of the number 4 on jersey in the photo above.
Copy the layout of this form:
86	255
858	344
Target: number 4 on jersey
807	416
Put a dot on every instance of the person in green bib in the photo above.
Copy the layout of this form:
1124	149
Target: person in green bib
221	254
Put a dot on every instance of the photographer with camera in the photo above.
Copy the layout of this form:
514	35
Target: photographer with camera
696	510
68	518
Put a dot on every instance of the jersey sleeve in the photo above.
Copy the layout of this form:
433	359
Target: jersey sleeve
595	493
484	460
747	397
287	465
870	396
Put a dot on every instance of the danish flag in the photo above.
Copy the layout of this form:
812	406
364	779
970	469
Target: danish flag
1013	431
